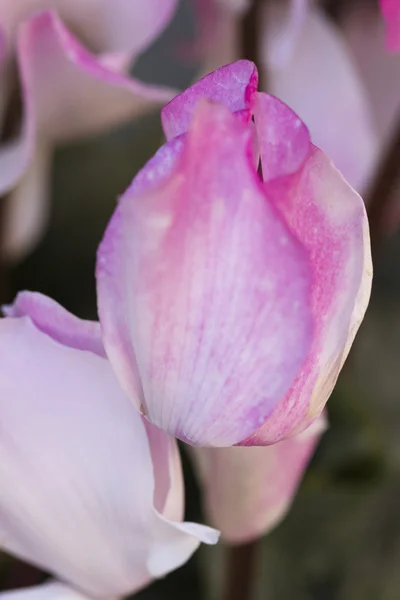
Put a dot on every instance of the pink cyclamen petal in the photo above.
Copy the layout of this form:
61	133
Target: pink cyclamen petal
391	13
233	85
203	293
248	491
329	219
77	470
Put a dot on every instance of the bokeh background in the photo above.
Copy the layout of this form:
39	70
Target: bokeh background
341	540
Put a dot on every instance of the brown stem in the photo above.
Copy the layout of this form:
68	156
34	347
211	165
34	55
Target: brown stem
382	187
240	571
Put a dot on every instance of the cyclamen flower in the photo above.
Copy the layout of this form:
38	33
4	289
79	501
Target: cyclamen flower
71	60
248	491
89	490
229	304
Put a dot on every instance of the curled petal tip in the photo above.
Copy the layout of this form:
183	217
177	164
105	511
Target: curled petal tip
233	85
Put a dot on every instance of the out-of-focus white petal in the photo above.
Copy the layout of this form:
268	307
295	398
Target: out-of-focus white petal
77	474
321	84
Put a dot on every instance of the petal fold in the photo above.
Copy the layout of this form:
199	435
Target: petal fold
71	92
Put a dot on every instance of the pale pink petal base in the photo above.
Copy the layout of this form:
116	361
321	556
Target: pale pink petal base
248	491
203	293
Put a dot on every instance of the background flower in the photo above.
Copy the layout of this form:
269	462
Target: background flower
72	83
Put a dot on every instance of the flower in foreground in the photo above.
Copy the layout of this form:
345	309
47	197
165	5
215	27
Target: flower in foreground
228	304
70	87
90	491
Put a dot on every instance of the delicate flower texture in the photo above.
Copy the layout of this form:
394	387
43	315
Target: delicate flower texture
89	490
68	89
248	491
391	13
227	307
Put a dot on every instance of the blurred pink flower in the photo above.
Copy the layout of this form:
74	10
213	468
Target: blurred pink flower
306	63
90	491
248	491
391	13
227	304
70	87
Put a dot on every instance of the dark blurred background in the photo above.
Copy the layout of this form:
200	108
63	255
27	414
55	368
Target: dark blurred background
341	540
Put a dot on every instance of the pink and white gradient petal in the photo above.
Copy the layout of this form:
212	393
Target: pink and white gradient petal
203	292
